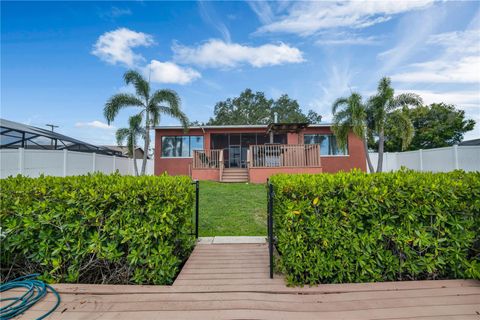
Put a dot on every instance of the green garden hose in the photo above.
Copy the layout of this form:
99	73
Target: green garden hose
36	290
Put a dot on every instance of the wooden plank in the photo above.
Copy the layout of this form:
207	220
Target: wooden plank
228	281
99	306
387	313
184	276
324	288
228	270
285	297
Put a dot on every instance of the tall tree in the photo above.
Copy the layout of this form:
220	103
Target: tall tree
350	114
437	125
130	135
255	108
151	105
383	106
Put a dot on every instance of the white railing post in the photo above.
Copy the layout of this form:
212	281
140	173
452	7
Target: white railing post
114	163
455	156
65	160
21	161
94	164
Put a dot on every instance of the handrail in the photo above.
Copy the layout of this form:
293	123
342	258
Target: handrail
206	159
285	155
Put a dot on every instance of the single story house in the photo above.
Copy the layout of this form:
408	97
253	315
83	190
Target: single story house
241	153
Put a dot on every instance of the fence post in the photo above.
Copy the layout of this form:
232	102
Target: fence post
270	227
21	161
197	194
420	153
94	160
455	156
114	163
65	160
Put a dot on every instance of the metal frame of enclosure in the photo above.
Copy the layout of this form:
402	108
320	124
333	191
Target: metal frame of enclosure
14	135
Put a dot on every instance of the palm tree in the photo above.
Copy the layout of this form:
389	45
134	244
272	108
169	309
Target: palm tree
152	106
384	106
130	135
351	114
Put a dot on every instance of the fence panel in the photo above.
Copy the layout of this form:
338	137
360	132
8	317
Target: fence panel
47	162
435	160
33	163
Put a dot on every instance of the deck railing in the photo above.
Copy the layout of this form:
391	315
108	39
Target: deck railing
284	155
207	159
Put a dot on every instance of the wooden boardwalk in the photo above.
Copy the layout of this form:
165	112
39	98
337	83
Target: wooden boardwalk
231	282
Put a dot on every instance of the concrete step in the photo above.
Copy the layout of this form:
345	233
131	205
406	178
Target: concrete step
234	180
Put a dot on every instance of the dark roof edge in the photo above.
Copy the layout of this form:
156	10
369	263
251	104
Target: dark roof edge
246	126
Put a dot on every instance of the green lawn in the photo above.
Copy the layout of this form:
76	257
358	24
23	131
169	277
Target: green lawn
232	209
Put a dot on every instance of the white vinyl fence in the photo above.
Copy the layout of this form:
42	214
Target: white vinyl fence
436	160
64	163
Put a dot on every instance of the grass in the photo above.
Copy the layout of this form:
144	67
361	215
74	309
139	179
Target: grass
232	209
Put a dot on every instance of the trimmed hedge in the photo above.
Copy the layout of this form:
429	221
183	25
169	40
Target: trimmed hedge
358	227
96	228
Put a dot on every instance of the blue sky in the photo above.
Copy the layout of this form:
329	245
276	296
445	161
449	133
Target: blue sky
61	61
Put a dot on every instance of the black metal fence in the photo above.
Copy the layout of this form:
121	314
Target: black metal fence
270	225
197	196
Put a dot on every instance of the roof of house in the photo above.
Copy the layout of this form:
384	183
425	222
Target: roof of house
473	142
240	126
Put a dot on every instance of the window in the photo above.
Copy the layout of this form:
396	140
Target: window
180	146
327	142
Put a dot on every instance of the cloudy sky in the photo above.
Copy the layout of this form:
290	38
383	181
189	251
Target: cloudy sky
61	61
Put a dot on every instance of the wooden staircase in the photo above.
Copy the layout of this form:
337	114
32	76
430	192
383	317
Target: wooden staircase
235	175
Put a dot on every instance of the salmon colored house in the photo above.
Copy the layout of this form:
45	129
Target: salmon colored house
241	153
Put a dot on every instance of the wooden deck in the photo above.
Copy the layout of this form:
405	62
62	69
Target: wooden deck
231	282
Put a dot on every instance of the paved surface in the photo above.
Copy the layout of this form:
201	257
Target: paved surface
230	281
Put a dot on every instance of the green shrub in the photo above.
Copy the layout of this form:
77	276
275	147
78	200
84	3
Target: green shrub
96	228
358	227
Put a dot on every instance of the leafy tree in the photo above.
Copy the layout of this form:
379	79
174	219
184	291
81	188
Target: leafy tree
313	117
130	135
151	105
351	114
383	108
256	108
437	125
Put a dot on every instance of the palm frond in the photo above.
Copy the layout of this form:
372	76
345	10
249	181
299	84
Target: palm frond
339	103
142	87
135	122
167	102
118	102
122	135
407	99
404	126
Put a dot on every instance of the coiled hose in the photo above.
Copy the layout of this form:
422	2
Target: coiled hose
36	290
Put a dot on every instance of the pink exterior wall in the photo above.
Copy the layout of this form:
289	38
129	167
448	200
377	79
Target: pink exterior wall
206	174
260	175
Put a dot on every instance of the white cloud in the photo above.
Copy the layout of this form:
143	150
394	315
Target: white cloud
461	98
461	70
209	16
169	72
116	46
458	62
306	18
348	40
219	54
94	124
